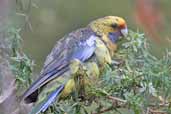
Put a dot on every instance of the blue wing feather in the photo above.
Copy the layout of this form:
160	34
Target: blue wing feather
51	98
85	49
42	107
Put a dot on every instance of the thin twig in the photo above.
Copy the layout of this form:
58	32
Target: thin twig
160	105
116	103
104	110
116	99
157	111
120	103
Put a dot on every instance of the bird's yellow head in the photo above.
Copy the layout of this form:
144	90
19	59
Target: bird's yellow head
111	26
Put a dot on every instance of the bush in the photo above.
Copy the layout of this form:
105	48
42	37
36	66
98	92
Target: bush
139	84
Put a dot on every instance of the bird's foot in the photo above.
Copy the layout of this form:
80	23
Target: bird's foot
117	62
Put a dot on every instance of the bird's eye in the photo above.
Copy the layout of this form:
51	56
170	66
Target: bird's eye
114	25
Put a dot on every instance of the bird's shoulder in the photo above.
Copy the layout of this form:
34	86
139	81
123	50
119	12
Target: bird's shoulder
65	46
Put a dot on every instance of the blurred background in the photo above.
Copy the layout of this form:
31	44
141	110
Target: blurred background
50	20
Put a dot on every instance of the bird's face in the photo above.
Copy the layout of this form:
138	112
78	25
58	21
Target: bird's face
112	26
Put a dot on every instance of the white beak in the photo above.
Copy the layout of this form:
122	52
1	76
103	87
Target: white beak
124	32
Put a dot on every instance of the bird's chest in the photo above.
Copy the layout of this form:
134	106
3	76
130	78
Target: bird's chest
102	52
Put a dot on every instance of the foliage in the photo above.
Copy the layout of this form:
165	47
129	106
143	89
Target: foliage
20	63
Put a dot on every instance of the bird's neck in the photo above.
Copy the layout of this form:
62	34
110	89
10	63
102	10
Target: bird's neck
104	35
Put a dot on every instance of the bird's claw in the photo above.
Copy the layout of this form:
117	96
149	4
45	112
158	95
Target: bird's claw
117	62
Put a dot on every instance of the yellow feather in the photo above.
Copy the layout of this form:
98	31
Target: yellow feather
102	53
69	88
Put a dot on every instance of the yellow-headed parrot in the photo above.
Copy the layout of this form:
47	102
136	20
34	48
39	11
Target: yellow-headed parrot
75	53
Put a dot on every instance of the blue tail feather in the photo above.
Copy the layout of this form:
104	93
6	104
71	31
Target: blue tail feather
47	102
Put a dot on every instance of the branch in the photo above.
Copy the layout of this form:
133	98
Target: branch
159	105
116	103
105	110
152	111
120	103
117	99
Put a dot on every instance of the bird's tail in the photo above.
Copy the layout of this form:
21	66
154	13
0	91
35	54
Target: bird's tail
31	94
42	107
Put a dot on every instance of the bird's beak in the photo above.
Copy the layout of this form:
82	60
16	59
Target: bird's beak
124	32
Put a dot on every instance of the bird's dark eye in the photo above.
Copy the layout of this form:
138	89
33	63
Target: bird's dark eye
114	25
